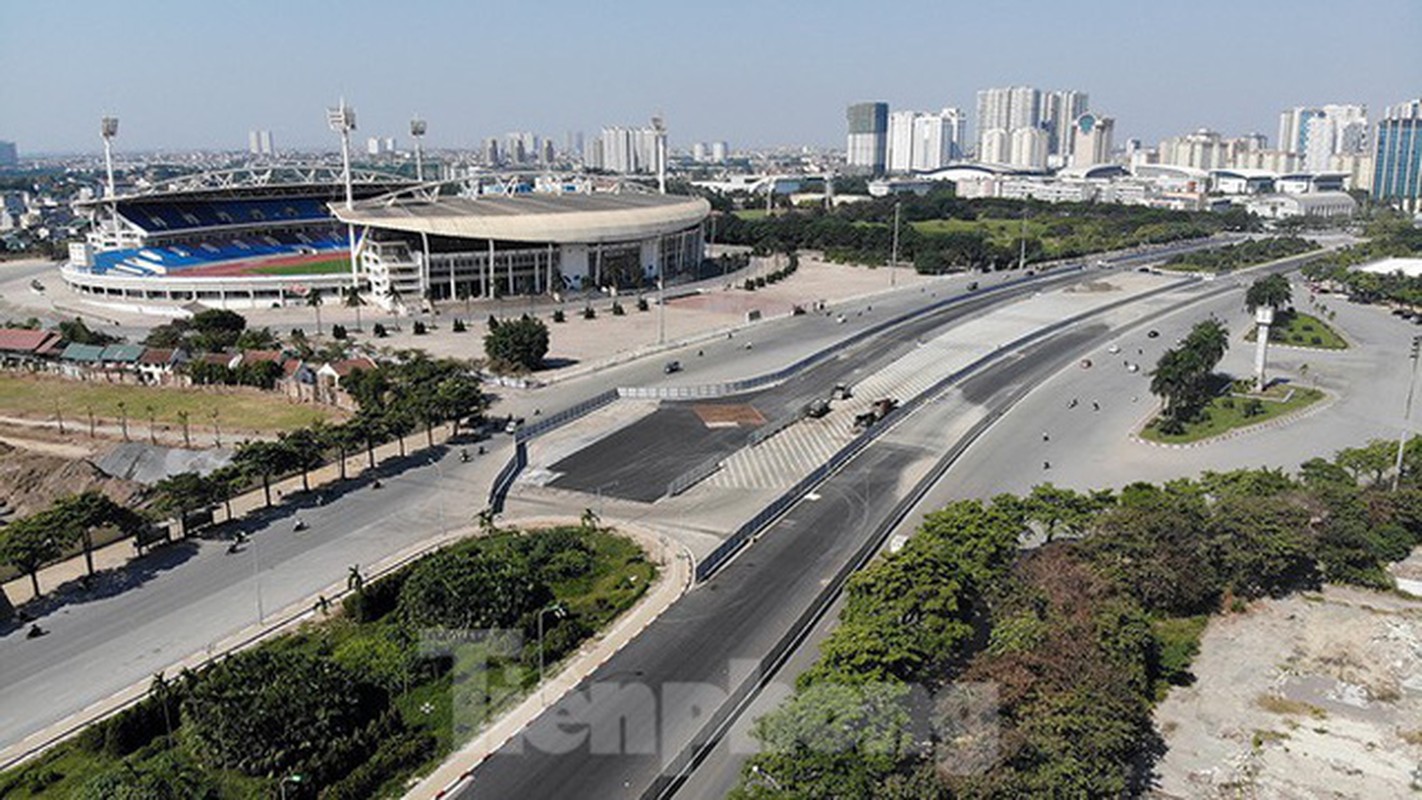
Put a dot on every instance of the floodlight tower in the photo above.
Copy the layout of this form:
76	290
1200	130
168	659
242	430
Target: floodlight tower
108	128
417	130
342	120
659	125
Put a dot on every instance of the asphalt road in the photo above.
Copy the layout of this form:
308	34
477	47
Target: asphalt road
637	462
741	613
183	598
1085	449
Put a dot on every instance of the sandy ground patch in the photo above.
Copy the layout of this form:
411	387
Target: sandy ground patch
1314	696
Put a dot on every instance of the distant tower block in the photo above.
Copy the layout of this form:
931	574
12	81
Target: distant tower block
1263	318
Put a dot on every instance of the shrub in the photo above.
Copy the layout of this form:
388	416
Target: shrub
470	588
379	331
459	326
1315	340
749	285
559	316
376	598
642	304
1253	407
267	710
589	313
522	343
420	329
338	331
760	283
394	756
617	309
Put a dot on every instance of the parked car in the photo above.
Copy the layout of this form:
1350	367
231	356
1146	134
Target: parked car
672	366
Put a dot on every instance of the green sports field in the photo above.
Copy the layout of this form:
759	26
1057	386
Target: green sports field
324	267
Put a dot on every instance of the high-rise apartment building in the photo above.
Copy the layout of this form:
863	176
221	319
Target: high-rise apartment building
924	141
1060	111
868	136
9	156
1397	156
718	152
994	146
899	157
626	150
1091	140
1029	148
259	143
937	139
1318	133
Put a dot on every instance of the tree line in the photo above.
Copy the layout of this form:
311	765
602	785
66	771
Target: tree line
1388	238
965	666
395	400
1231	257
863	232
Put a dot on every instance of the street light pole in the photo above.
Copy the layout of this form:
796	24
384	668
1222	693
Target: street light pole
558	610
1407	414
894	256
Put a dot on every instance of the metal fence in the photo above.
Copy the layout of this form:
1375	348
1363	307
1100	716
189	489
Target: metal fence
565	416
717	558
693	476
499	491
711	390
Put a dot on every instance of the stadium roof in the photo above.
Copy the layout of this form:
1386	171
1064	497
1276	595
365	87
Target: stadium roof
533	216
1411	267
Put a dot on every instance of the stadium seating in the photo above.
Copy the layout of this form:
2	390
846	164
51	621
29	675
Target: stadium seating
165	259
170	217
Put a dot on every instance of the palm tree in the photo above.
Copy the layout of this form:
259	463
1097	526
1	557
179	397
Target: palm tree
351	297
181	494
264	459
392	295
216	431
1273	291
152	423
354	580
183	420
123	418
305	446
589	519
314	301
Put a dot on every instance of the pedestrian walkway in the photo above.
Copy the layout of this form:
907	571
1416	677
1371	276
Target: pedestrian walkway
780	461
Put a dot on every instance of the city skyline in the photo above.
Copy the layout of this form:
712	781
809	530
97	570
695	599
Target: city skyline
768	77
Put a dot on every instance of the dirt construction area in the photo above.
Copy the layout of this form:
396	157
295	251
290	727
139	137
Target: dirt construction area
1318	695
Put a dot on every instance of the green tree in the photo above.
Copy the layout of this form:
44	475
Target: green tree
1262	545
307	447
263	459
470	589
182	494
1273	291
314	301
1060	510
517	344
30	543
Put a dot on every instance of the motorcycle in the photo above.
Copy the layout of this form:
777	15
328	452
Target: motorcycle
299	525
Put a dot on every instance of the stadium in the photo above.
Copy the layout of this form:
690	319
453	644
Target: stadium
263	237
241	238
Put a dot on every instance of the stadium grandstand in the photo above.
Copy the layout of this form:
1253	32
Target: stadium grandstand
268	236
499	235
248	237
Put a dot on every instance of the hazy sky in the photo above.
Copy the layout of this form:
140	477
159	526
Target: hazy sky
199	73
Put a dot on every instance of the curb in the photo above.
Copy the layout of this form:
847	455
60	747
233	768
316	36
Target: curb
1324	402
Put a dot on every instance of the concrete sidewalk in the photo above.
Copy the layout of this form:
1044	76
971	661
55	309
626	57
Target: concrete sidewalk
118	554
673	579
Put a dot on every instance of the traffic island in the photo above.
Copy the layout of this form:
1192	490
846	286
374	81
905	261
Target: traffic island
1295	329
1239	410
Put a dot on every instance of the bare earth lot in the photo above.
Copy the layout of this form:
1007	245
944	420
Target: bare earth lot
1313	696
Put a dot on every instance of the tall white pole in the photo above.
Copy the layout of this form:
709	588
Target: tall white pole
108	128
661	295
894	256
417	130
342	120
1407	414
1263	318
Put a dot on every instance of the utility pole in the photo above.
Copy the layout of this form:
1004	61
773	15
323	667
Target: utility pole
1407	414
1022	239
894	256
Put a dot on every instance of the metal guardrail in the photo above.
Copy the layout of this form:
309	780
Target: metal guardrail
693	476
711	390
565	416
718	557
499	491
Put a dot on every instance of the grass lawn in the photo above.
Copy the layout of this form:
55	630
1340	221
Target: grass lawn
1302	330
238	410
325	267
385	651
1229	412
750	213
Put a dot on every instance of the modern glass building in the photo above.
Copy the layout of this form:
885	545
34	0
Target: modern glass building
1397	157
